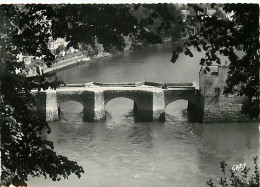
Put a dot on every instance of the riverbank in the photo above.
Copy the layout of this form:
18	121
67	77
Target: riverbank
68	62
65	63
140	153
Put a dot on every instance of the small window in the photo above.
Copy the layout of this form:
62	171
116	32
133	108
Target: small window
214	73
217	91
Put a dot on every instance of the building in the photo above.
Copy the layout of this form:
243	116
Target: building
25	58
54	44
217	106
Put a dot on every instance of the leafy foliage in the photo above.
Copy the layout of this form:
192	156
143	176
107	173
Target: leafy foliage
238	32
27	29
106	24
24	150
161	19
251	107
238	181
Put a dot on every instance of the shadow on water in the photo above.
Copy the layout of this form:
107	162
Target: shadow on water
234	143
145	64
176	111
71	111
121	152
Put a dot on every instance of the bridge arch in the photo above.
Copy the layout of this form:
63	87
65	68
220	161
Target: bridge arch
149	101
111	95
136	105
70	110
176	108
62	98
120	106
169	102
194	108
172	96
143	102
128	100
85	98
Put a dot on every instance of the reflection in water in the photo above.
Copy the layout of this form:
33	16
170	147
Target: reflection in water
121	152
150	64
177	110
71	111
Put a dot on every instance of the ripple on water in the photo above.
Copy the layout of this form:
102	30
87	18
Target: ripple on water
121	152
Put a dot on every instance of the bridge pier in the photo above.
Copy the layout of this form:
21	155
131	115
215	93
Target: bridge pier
143	115
149	102
46	104
143	106
94	107
150	107
195	112
158	106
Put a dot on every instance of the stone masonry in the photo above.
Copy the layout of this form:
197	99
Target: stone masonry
206	102
149	101
218	107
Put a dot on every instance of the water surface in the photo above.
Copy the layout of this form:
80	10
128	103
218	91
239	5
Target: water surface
119	152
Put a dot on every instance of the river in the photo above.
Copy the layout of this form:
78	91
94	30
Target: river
119	152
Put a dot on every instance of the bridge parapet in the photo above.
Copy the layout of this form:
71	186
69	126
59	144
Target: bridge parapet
127	84
150	98
135	84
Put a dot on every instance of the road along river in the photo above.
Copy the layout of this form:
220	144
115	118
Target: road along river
119	152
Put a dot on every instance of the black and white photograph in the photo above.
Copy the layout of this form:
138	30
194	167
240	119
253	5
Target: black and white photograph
129	94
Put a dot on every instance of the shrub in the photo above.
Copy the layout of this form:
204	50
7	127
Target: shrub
235	180
250	108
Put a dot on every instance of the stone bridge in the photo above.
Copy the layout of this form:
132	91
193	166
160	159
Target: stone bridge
150	99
